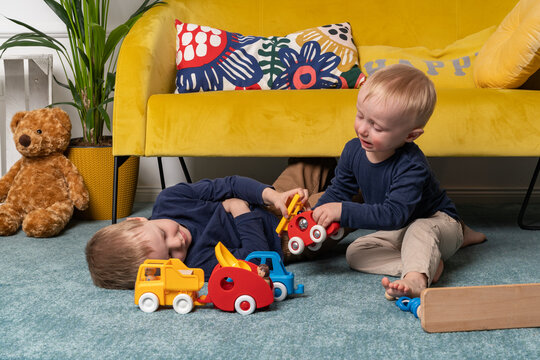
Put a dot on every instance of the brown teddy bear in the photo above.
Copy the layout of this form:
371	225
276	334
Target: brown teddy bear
40	190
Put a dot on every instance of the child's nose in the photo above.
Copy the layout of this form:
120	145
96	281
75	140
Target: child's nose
362	129
174	243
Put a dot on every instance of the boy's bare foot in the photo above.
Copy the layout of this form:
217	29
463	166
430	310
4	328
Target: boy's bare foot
471	237
411	285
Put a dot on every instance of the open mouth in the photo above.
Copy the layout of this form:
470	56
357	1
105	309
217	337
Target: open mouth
184	236
365	144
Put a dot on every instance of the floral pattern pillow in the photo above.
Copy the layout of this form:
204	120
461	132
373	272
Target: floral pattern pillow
209	59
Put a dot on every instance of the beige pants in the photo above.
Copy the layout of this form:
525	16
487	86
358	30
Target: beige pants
312	174
417	247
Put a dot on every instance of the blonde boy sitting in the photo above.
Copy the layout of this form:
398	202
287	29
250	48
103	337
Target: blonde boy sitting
418	225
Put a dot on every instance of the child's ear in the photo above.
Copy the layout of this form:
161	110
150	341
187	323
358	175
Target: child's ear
414	134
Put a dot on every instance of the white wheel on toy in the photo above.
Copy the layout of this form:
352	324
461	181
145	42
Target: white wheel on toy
315	247
317	234
244	305
296	245
183	303
148	302
280	291
338	234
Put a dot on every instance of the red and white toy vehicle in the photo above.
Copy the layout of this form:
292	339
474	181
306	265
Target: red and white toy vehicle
304	231
235	285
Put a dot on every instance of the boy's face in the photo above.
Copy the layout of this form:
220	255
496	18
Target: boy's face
166	238
382	127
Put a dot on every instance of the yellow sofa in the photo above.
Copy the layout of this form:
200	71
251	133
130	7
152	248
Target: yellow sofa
149	120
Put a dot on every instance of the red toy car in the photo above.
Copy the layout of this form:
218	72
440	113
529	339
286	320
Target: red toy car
238	289
304	231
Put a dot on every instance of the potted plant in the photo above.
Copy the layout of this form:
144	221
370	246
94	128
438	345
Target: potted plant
89	65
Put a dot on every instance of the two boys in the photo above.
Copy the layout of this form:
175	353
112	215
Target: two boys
419	224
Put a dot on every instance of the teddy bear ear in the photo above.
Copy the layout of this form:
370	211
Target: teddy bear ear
63	117
16	119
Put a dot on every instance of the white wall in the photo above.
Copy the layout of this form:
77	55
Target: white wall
466	179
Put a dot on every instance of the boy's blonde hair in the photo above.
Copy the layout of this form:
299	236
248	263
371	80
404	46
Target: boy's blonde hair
406	87
114	254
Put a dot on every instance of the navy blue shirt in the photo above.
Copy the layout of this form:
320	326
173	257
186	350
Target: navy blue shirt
198	207
396	191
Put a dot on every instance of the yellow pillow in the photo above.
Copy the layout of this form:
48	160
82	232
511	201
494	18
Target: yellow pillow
512	53
450	67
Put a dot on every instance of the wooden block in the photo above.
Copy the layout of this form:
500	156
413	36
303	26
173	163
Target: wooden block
480	307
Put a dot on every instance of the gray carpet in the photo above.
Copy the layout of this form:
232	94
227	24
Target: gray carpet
49	308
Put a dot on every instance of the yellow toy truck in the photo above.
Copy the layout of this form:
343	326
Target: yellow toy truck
167	282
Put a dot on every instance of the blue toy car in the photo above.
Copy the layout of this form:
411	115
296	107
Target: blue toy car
283	280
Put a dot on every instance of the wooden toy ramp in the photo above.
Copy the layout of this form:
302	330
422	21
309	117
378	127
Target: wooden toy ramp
480	307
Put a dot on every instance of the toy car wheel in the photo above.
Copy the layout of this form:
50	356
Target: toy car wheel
317	234
296	245
280	291
148	302
338	234
244	305
315	247
183	303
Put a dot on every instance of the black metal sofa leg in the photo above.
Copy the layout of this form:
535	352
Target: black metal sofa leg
162	176
185	170
118	161
525	202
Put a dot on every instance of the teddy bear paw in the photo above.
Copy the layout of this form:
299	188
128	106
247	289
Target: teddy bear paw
8	227
10	220
43	223
81	202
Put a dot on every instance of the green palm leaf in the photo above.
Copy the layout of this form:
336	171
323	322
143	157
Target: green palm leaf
35	34
60	12
114	38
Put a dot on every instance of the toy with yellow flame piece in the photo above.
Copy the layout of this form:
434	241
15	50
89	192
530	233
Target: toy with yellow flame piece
234	285
304	231
226	259
294	207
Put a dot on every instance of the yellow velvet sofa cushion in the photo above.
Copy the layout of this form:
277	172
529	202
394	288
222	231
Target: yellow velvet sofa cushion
451	67
251	123
483	122
466	122
512	54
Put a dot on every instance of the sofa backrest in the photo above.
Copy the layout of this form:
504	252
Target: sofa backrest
146	63
401	23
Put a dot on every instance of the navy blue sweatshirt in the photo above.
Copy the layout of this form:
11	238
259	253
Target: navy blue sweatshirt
198	207
396	191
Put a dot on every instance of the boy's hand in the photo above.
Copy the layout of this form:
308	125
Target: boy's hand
280	200
326	214
235	206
